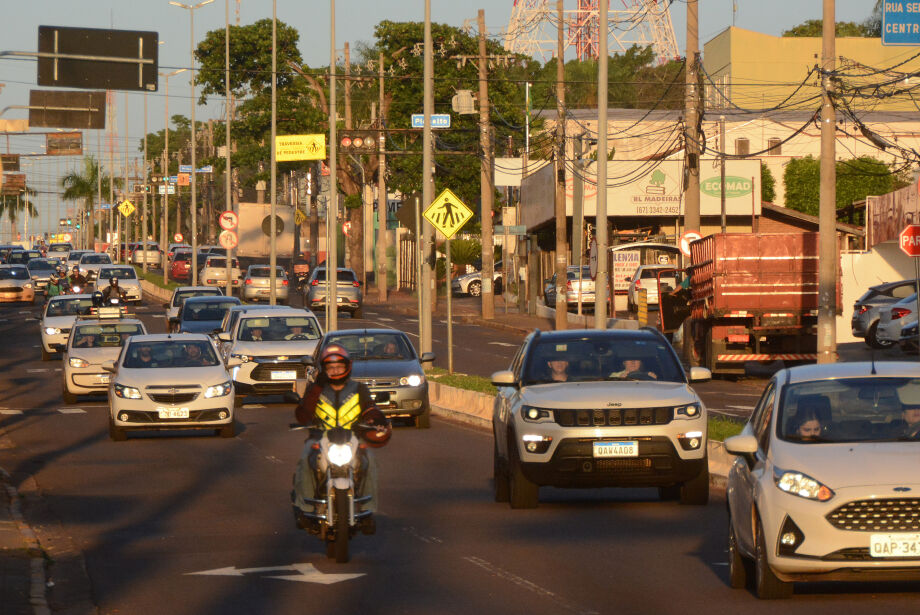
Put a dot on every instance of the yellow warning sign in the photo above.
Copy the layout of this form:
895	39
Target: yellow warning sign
448	214
126	208
299	217
300	147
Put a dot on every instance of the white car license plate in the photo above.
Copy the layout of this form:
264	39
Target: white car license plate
616	448
104	379
894	545
287	375
173	413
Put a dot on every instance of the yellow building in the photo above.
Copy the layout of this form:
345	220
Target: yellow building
758	71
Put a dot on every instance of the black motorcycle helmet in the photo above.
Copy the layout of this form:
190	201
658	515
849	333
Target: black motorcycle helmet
97	299
113	281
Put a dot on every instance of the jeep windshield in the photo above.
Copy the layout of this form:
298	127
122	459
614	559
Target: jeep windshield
599	357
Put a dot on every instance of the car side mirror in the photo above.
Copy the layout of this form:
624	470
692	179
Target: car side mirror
742	445
700	374
504	378
307	360
427	357
109	366
224	336
234	362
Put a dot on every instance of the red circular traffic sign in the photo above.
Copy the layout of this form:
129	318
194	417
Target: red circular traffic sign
228	239
910	240
67	237
229	220
686	239
177	237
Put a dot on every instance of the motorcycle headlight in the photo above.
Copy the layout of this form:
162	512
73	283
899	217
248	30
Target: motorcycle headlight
242	357
688	411
78	362
51	331
413	381
802	485
339	454
126	392
218	390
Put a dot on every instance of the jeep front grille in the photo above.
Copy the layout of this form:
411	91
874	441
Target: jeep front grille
613	417
883	515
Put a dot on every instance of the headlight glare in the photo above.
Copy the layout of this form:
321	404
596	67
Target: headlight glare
51	331
413	381
218	390
339	454
534	415
78	362
126	392
802	485
688	411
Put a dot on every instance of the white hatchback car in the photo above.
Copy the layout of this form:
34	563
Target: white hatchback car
174	305
127	280
92	342
214	272
57	319
892	319
168	381
825	486
646	276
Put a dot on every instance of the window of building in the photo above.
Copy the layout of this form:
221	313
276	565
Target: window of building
742	147
774	146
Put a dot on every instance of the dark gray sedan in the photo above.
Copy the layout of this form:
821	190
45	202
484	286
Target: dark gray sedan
386	361
204	314
867	309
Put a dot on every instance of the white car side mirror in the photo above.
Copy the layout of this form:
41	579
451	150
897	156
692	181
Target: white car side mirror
700	374
234	362
742	444
503	378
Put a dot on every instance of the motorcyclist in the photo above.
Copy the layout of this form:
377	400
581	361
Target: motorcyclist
55	287
77	279
333	399
114	291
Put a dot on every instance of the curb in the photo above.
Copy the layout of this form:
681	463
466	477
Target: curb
39	579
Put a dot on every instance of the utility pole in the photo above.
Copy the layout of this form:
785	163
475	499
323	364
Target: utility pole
827	219
486	178
692	115
146	187
332	206
381	252
273	252
600	221
228	204
561	222
125	191
722	169
426	287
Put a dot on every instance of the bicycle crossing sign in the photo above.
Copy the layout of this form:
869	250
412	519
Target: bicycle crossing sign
448	214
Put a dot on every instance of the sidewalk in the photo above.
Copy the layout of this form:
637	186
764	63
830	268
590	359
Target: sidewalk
22	567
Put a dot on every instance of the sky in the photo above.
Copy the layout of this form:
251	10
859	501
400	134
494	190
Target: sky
355	21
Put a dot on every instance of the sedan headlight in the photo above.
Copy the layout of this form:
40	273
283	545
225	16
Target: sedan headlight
27	285
534	415
339	454
802	485
413	381
218	390
78	362
688	411
126	392
242	357
51	331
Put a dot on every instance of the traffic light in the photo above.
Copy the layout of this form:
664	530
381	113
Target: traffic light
358	141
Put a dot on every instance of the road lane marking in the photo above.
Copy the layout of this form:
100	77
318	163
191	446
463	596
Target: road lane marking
71	410
306	573
740	407
37	370
384	319
426	539
7	411
503	344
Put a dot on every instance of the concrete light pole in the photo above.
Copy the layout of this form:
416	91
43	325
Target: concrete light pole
166	76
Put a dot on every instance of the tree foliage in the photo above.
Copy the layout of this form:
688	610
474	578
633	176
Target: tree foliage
84	186
767	184
856	179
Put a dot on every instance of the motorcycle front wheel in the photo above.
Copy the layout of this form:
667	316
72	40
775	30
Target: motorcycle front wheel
341	525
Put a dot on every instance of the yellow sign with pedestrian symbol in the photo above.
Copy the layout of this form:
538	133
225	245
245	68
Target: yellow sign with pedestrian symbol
300	147
448	214
126	208
299	217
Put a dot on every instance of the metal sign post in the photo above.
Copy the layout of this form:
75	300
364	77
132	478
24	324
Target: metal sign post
450	320
909	240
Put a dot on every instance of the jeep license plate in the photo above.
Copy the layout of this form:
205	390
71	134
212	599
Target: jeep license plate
285	375
173	413
894	545
616	448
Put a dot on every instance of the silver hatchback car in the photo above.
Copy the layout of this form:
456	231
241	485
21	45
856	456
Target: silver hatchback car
257	284
348	291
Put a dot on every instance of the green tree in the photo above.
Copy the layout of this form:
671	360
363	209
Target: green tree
814	28
767	184
856	179
84	186
12	205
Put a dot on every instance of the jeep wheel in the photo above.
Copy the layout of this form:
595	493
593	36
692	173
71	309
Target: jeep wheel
767	585
499	477
521	493
696	490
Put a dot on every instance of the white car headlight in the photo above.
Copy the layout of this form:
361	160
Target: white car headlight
27	285
339	454
78	362
242	357
218	390
51	331
688	411
802	485
126	392
413	381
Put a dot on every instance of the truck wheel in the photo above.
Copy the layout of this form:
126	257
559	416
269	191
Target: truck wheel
474	289
695	492
872	338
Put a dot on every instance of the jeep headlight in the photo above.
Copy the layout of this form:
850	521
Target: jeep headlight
413	381
242	357
339	454
218	390
688	411
27	285
51	331
802	485
78	362
126	392
534	415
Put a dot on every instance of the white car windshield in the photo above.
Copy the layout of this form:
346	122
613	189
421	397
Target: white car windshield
380	346
181	296
207	310
104	336
14	273
871	409
172	353
69	306
122	273
279	328
598	357
95	259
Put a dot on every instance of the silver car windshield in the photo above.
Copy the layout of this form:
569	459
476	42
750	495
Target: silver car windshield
95	259
206	310
278	328
104	336
851	410
122	273
15	273
69	306
172	353
380	346
597	358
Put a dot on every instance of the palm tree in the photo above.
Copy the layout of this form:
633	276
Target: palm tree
85	186
11	205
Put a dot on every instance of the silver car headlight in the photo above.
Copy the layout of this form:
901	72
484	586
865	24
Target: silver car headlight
535	415
802	485
242	357
78	362
126	392
339	454
218	390
51	331
27	285
413	381
688	411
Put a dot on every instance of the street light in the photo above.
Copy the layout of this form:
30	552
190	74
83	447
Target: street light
191	12
163	222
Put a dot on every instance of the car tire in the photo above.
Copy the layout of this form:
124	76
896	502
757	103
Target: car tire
500	481
69	398
228	430
46	356
522	493
872	338
670	493
423	420
358	313
117	434
767	585
739	567
695	492
474	289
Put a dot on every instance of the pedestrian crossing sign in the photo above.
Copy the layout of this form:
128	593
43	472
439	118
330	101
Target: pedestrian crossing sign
448	214
126	208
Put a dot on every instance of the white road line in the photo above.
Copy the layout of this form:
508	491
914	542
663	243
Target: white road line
383	319
412	320
71	410
254	406
742	394
740	407
37	370
503	344
5	411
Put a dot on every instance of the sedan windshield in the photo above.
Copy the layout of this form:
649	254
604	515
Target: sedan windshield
279	328
41	265
171	353
104	336
207	310
265	272
14	273
380	346
96	259
122	273
69	306
597	358
851	410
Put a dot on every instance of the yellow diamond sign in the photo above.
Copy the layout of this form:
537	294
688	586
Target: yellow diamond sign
126	208
448	214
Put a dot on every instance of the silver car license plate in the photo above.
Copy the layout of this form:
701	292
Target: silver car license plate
616	448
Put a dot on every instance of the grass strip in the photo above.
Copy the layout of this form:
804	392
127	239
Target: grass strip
155	278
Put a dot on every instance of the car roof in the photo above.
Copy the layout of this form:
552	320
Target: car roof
190	288
60	298
210	299
888	285
169	337
380	331
621	334
86	318
856	369
279	310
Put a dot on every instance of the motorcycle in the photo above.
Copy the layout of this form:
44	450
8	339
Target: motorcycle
301	275
336	518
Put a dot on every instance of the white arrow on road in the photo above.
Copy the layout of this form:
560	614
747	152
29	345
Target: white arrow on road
306	573
503	344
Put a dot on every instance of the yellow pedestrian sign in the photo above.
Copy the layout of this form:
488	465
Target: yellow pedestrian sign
448	214
126	208
299	217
